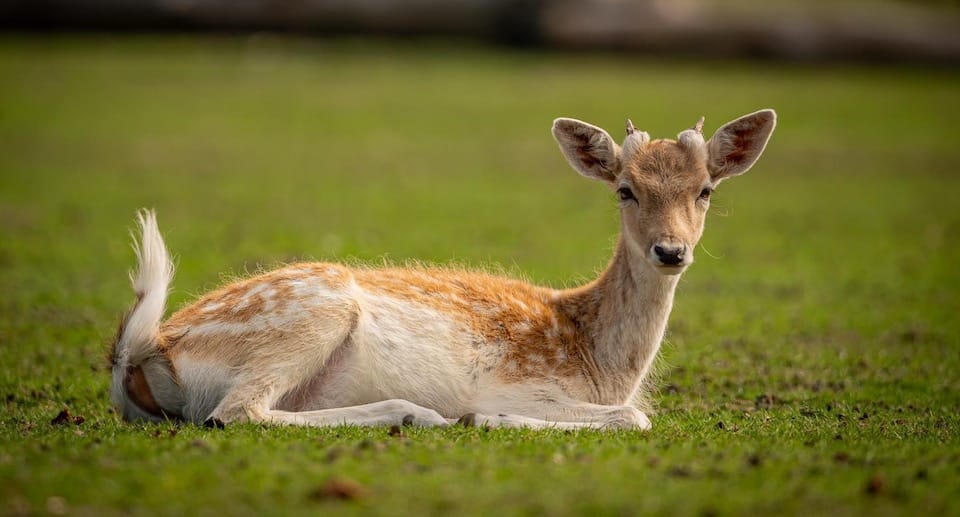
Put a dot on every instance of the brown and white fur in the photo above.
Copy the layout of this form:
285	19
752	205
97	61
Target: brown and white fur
323	344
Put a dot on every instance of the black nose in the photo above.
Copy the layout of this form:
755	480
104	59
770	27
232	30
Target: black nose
670	256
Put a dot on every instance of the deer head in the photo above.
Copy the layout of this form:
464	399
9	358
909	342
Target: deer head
664	186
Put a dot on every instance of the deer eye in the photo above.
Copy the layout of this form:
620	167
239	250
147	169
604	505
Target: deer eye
705	193
626	194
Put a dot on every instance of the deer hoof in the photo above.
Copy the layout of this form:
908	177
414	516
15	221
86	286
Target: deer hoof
468	420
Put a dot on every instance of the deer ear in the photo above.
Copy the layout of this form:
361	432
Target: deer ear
589	149
736	146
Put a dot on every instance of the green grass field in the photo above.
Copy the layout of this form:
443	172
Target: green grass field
813	359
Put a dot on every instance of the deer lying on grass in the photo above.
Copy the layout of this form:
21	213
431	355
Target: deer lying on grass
322	344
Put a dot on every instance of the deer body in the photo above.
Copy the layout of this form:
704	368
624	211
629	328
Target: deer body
323	344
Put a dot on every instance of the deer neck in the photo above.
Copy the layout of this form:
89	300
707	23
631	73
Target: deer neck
624	314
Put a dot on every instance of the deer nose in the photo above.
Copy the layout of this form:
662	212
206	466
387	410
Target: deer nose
669	255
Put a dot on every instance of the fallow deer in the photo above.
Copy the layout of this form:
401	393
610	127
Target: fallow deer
323	344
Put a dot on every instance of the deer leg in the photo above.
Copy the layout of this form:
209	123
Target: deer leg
519	421
386	412
551	409
613	417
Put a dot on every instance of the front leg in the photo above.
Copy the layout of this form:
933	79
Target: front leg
619	418
385	412
546	410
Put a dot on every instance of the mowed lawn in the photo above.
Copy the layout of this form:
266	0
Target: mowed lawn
812	363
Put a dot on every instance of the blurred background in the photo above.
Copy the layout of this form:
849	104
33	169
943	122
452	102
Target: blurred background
420	129
925	30
357	128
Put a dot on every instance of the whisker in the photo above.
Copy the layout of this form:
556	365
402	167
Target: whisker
711	255
719	210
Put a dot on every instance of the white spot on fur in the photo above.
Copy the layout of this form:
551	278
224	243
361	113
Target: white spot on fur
518	304
212	307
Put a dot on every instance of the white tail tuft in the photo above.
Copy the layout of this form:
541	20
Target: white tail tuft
151	280
136	341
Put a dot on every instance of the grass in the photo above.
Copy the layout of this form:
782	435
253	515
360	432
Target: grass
812	359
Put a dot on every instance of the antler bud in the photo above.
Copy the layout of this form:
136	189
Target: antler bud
698	127
635	139
692	139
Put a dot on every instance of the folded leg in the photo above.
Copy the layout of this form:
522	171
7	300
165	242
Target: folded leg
548	408
625	420
386	412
